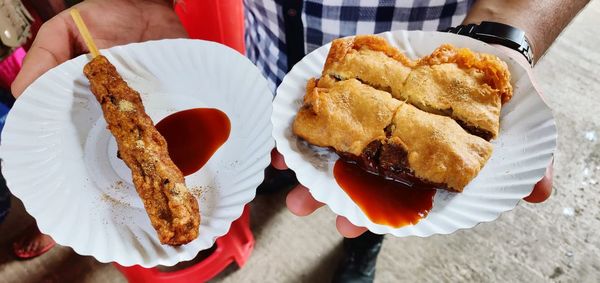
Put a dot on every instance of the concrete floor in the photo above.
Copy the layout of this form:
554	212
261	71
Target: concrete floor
557	241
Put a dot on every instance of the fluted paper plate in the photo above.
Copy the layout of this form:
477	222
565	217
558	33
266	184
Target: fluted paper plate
521	153
60	160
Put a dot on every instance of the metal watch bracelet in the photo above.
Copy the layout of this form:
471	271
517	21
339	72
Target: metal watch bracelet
497	33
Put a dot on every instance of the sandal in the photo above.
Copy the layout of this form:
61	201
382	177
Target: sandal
31	239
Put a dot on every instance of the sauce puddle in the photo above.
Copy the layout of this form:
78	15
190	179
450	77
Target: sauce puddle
384	201
193	136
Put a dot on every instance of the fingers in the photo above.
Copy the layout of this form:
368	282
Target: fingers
543	189
277	160
348	229
300	202
53	45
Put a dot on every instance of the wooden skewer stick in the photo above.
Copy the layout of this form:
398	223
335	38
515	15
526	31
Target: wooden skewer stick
85	33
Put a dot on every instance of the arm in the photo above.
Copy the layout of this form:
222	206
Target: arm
542	21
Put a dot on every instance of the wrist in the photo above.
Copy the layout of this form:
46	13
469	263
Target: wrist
506	12
496	33
515	55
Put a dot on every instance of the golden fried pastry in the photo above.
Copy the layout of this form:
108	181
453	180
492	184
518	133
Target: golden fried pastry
345	115
466	86
438	149
369	59
495	71
172	209
448	90
389	137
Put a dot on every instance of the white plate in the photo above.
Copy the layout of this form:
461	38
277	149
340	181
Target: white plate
521	153
60	160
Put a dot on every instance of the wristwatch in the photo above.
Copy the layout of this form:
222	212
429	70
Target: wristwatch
497	33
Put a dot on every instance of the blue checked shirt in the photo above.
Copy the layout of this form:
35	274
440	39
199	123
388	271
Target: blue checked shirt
325	20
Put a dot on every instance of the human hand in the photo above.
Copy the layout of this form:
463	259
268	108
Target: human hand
300	202
111	22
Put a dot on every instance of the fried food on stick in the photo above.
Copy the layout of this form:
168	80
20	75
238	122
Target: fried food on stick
172	209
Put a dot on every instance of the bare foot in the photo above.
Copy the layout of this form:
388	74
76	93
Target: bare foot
32	243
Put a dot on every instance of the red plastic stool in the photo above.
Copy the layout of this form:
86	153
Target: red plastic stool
215	20
236	246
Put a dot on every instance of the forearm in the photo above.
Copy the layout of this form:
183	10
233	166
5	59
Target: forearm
542	21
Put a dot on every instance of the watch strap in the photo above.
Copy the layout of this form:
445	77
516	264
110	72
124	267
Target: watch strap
497	33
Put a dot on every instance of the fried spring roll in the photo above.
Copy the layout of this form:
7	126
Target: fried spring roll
172	209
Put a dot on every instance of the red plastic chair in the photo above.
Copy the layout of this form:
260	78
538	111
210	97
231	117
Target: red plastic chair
220	21
236	246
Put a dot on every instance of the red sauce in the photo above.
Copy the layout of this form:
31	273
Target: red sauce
193	136
384	201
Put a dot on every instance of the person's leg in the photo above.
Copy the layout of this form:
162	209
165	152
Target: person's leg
4	199
277	180
6	102
360	257
32	243
360	254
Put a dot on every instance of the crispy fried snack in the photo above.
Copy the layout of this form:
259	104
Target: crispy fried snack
469	87
172	209
389	137
369	59
345	115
